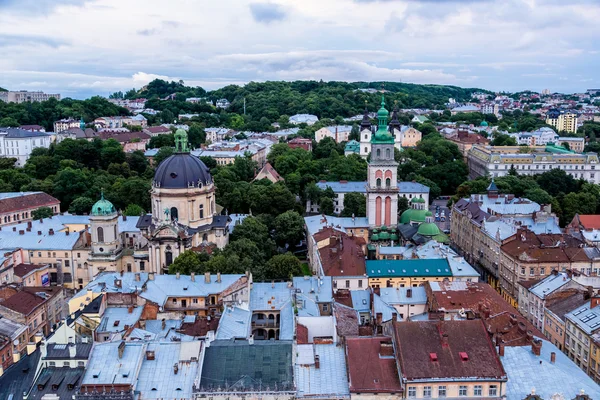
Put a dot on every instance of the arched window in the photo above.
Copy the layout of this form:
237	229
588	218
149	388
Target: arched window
174	213
201	210
168	256
378	182
100	234
387	154
205	238
378	152
388	182
115	232
366	150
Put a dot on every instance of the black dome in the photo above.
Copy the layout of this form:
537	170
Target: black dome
180	171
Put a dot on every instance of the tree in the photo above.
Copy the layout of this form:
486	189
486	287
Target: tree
160	141
566	145
512	171
9	122
7	163
42	212
556	181
355	204
403	204
162	154
81	205
133	210
577	203
281	266
289	228
503	140
538	195
187	262
326	205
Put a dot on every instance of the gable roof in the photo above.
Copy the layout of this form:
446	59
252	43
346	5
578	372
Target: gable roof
20	201
590	221
368	369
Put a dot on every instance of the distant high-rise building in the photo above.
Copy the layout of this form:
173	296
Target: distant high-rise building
23	96
562	120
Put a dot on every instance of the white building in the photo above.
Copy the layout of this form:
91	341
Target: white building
23	96
19	143
68	123
541	137
307	119
339	133
214	135
222	103
490	108
409	190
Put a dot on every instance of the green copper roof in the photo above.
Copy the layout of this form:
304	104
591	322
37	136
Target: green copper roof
382	135
428	229
412	215
394	237
484	123
441	238
384	236
421	267
103	207
374	237
418	200
181	141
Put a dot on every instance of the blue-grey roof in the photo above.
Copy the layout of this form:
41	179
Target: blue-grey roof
269	296
361	300
59	222
329	380
116	318
361	187
157	378
235	220
399	295
33	241
317	289
286	322
549	284
586	319
380	306
10	195
106	367
234	323
316	222
525	372
503	206
18	133
161	288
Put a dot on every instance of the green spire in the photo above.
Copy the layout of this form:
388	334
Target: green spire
382	135
82	124
181	141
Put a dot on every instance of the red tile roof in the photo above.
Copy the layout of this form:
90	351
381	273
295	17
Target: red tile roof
346	319
344	256
480	300
590	221
369	370
23	269
27	201
446	350
158	129
557	248
124	137
23	302
200	327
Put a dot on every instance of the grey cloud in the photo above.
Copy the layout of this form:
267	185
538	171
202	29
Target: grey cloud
148	32
7	40
153	31
37	7
267	12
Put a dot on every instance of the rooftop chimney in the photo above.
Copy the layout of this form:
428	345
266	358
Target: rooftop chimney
501	349
553	357
218	277
409	293
122	272
14	228
177	275
317	362
72	350
175	368
193	276
124	217
444	340
163	323
138	277
207	277
29	224
130	309
513	319
151	276
51	232
378	318
150	355
595	300
536	347
121	349
386	349
118	283
21	232
39	233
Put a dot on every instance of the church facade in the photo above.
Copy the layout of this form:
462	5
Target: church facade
395	129
183	217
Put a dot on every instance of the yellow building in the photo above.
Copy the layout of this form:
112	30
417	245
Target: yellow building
562	120
407	273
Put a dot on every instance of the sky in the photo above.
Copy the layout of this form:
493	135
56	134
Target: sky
80	48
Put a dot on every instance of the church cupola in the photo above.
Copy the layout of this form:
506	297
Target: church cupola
366	121
395	123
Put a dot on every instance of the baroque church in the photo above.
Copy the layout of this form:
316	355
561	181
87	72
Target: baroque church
183	217
367	131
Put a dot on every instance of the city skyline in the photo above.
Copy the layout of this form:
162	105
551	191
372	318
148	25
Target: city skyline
81	48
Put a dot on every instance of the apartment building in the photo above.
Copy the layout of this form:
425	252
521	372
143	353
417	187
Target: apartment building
68	123
498	160
18	207
23	96
339	133
556	309
562	120
581	324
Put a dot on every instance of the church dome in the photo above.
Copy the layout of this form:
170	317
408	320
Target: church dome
413	215
103	207
428	229
484	123
180	171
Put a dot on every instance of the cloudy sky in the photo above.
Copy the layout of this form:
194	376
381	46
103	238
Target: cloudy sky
84	47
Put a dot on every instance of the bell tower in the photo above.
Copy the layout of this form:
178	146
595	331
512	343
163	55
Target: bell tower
382	186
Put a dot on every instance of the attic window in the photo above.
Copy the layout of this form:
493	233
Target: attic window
117	322
433	357
364	301
463	356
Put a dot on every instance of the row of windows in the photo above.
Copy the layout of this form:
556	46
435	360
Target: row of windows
463	391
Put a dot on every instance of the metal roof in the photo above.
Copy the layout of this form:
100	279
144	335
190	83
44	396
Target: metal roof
587	319
361	187
115	319
549	284
408	268
234	323
526	371
106	367
318	289
329	379
399	295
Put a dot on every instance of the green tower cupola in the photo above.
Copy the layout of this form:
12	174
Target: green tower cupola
82	124
382	135
103	207
181	141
